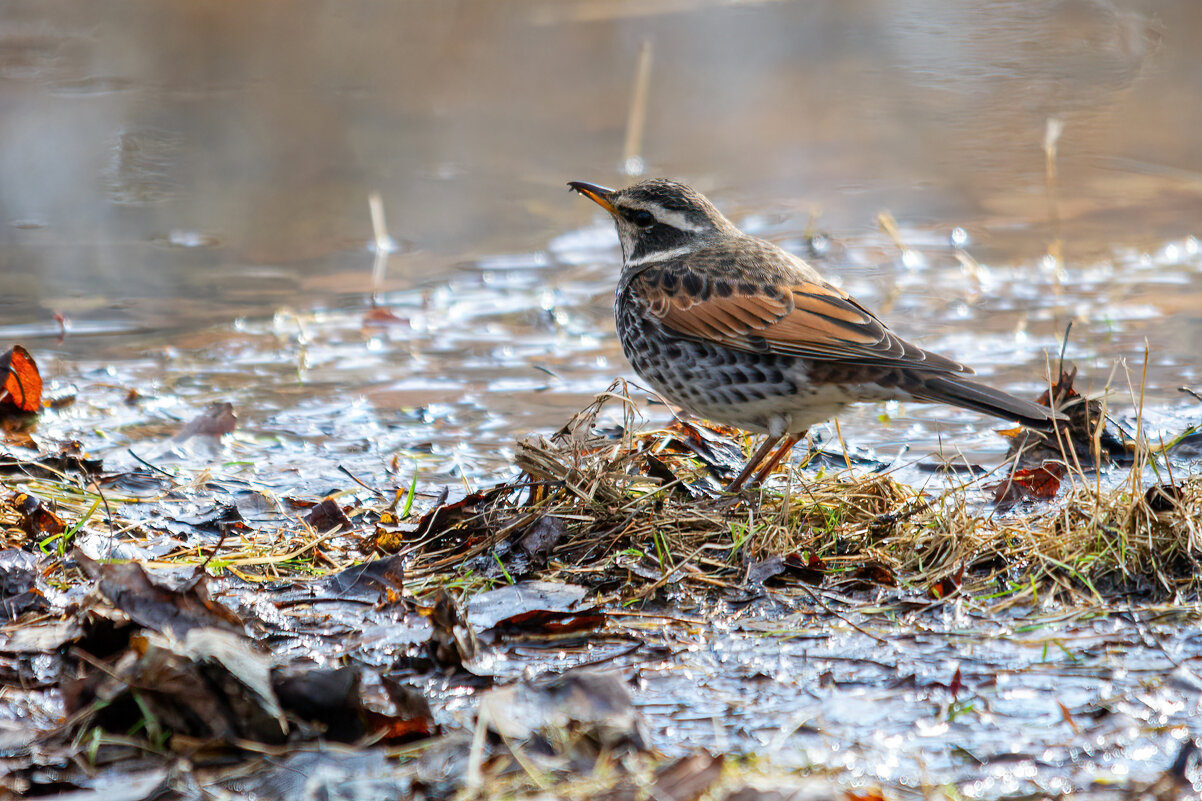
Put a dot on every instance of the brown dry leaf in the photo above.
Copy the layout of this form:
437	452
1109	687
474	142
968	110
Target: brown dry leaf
378	581
20	382
207	684
327	516
541	538
957	684
1083	428
159	608
351	702
809	568
873	573
1035	483
36	520
688	777
1164	497
406	717
1062	390
379	316
545	622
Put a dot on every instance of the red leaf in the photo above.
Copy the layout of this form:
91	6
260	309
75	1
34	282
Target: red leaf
1041	483
946	585
809	569
22	383
872	573
547	622
957	685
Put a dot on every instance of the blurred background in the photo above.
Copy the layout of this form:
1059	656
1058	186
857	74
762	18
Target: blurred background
173	167
166	159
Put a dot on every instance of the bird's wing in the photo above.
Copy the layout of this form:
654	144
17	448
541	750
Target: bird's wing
806	318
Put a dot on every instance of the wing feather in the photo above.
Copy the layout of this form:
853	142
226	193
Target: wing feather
804	318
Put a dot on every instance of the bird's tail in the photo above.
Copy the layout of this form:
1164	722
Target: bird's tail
983	398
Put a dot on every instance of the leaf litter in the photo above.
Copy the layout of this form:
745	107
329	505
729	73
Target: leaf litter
608	623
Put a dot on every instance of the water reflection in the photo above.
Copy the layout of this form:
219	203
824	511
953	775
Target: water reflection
259	131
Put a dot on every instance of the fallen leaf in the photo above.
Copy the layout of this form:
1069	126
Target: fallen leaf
957	684
1035	483
327	516
329	696
21	385
760	570
946	585
688	777
208	684
547	623
541	538
380	580
36	520
379	316
162	609
865	576
1164	498
809	568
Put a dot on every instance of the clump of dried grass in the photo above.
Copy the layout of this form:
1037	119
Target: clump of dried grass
671	524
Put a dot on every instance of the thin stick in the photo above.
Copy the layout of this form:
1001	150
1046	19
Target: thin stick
1051	138
383	245
632	161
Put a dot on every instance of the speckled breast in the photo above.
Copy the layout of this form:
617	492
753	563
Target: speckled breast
712	381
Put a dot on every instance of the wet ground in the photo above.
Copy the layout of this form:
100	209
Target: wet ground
187	186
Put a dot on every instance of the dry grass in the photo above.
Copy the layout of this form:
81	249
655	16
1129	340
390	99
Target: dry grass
624	519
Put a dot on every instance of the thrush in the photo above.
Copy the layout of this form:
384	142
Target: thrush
736	330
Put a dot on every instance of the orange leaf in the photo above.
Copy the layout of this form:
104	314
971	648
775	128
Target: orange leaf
946	585
22	383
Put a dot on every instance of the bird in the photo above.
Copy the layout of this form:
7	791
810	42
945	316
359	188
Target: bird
734	329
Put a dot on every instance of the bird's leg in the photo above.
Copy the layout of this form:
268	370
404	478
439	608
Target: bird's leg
781	453
753	463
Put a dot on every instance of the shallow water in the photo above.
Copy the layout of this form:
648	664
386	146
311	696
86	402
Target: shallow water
187	185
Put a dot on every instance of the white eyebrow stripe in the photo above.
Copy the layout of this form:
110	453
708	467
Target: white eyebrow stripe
661	255
669	217
677	220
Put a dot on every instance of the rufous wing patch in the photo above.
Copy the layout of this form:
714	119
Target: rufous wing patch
810	320
722	319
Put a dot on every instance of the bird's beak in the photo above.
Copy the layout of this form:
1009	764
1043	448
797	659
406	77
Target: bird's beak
598	194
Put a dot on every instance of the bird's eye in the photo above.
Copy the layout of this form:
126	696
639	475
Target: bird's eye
643	218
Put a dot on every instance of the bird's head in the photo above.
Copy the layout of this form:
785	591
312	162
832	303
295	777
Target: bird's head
658	218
